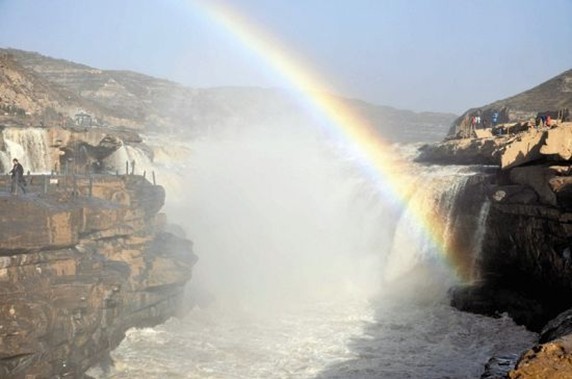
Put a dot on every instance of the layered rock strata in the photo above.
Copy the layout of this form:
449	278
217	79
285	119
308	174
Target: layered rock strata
78	268
525	264
506	151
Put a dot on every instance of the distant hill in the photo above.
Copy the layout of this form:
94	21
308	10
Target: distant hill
137	101
552	95
24	94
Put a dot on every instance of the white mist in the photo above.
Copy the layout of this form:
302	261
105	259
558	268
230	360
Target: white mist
308	271
277	219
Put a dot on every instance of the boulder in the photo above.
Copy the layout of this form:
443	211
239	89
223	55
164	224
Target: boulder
558	327
552	360
505	150
484	133
463	151
537	178
514	194
562	187
508	151
492	300
559	142
498	366
525	148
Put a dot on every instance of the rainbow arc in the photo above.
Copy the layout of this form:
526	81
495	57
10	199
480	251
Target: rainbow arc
376	155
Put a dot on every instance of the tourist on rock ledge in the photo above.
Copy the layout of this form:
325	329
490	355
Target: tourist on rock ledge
18	180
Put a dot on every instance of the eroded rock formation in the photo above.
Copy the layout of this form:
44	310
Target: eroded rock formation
525	264
76	271
506	151
552	360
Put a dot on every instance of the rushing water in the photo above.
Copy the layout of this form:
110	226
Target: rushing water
30	146
307	271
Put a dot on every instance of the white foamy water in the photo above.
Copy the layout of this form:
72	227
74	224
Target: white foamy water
310	272
319	340
128	155
238	343
30	146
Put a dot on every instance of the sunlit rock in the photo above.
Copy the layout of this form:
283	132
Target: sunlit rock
77	271
552	360
559	142
463	151
507	151
524	148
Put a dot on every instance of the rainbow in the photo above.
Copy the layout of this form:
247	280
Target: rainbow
374	152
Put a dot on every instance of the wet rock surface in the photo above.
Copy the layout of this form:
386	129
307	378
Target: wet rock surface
498	367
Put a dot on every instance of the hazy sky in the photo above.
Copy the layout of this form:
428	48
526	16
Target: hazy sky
437	55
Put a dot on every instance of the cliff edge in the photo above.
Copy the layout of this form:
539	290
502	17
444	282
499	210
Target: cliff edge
78	268
525	263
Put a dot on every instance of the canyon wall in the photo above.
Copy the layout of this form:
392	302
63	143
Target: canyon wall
525	264
78	268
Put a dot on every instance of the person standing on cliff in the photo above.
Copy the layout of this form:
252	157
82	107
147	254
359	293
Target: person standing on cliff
18	180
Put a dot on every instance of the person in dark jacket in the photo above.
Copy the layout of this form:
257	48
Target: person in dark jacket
18	180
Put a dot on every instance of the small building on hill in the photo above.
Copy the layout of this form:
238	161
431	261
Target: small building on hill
83	119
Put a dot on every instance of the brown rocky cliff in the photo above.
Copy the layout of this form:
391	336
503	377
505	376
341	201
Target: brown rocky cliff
507	151
525	264
76	272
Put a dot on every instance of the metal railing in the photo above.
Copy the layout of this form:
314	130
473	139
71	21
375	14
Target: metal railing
71	184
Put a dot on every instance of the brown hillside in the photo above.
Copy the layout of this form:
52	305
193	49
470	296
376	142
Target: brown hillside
553	95
133	100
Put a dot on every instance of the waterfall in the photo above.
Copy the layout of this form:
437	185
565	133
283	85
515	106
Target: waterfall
479	238
31	146
5	161
437	238
413	244
277	218
446	205
130	154
306	269
314	205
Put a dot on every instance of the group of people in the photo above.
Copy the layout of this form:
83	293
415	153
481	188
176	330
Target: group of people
490	121
475	120
18	179
543	121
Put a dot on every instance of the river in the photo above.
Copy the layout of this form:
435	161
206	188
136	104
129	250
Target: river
306	270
